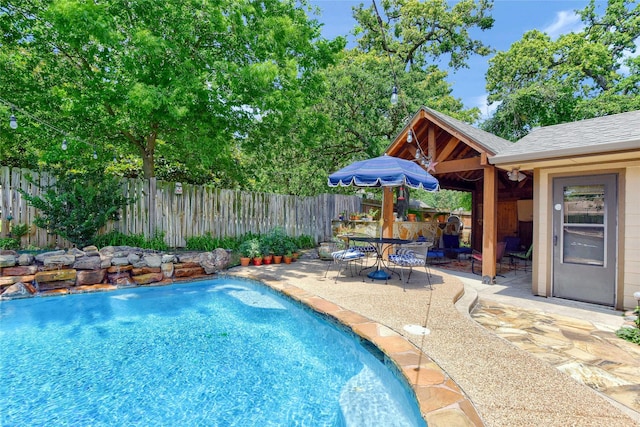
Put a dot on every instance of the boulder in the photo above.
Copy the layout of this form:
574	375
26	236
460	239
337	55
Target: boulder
76	252
145	270
90	248
55	276
168	258
41	257
188	271
20	270
153	260
90	277
18	290
7	260
215	261
119	268
119	261
144	279
88	263
26	259
59	260
133	258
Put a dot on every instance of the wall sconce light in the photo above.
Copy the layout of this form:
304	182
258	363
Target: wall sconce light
13	122
516	175
410	136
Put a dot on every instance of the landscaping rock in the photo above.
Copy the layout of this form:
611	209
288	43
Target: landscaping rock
215	261
167	270
90	277
119	261
168	258
88	263
153	260
144	279
119	268
26	259
20	270
133	258
59	260
18	290
55	276
7	260
41	257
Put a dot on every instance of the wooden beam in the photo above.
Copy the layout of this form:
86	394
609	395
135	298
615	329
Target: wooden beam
431	141
489	224
462	165
447	149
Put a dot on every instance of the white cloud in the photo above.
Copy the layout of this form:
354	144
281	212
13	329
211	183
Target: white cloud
566	21
486	110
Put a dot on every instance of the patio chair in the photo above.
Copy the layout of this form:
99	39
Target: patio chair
526	256
412	255
477	256
451	243
345	258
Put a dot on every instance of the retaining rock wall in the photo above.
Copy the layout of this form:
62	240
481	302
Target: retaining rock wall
90	269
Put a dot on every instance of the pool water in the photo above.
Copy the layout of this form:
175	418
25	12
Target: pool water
224	352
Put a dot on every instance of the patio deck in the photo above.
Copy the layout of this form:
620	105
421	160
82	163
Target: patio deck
508	371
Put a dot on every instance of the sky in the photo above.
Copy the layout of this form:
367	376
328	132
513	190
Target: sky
512	18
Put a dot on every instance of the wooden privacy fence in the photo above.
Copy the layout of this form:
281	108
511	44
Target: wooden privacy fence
182	211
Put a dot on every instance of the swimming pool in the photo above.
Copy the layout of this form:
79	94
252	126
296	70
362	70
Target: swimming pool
224	352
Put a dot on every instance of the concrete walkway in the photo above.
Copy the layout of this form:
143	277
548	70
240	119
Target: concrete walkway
507	385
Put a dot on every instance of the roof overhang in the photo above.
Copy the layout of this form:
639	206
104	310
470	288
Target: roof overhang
616	151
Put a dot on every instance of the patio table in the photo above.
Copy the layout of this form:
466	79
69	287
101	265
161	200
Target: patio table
382	271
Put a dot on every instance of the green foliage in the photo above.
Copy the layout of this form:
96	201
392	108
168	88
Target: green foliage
209	243
304	241
591	73
9	243
174	82
250	247
629	334
77	206
116	238
19	230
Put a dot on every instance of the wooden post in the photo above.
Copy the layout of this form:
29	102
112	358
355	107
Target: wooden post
489	224
387	212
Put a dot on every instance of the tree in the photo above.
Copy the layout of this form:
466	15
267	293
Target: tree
178	80
541	82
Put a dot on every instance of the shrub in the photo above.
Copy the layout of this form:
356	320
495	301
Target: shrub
9	243
78	205
209	243
629	334
116	238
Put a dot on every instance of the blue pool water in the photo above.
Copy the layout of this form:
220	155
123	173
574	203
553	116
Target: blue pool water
224	352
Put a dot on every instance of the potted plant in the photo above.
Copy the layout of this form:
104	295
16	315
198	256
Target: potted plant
288	257
265	248
246	252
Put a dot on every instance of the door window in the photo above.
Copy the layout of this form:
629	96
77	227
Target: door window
583	237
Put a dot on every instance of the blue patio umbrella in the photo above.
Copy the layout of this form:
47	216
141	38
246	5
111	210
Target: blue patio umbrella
384	171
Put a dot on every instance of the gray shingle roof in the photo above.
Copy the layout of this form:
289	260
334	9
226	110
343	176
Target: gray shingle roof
591	136
492	143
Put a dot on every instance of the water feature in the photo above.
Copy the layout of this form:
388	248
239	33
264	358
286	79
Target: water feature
219	352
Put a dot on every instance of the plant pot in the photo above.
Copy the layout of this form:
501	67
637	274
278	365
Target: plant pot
244	261
267	259
411	217
287	259
294	256
277	259
257	260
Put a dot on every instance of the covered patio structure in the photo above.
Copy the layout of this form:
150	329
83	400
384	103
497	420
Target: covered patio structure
458	154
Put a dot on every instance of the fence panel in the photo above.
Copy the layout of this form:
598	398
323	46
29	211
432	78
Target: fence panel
196	211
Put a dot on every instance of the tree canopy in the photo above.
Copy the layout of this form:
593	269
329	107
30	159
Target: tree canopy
590	73
176	80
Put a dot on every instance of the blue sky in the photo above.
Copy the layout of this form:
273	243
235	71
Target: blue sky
513	18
